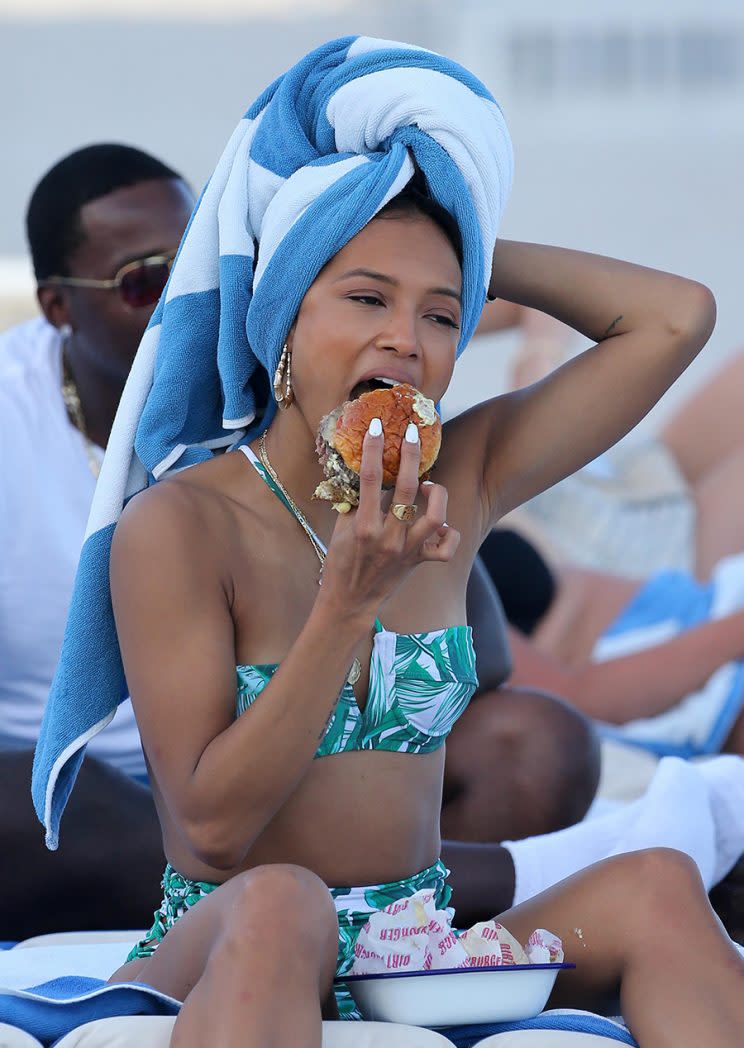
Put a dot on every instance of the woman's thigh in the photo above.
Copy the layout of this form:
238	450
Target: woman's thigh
709	426
719	498
262	904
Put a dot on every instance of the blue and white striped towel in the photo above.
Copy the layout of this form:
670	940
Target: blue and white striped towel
313	160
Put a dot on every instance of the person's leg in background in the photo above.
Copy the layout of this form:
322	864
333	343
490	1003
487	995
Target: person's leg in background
706	438
709	426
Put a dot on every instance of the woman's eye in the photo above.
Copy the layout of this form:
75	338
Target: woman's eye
446	321
367	300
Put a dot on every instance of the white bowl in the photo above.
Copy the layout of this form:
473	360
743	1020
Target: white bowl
455	996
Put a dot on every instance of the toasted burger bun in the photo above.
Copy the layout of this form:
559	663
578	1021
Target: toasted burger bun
341	436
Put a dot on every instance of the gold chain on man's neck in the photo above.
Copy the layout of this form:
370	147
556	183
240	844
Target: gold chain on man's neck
71	397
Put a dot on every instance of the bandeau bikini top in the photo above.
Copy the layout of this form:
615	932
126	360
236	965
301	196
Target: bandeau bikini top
419	684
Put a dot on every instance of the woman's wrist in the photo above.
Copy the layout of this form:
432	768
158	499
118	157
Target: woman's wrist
502	285
342	617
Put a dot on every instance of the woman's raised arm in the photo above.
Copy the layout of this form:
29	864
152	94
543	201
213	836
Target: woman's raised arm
648	327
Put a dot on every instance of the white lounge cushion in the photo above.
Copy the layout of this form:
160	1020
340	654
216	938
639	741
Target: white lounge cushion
11	1037
21	968
78	938
139	1031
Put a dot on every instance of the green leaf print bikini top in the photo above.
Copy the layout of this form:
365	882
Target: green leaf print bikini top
419	684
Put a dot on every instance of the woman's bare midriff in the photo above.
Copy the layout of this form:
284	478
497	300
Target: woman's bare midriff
344	803
586	603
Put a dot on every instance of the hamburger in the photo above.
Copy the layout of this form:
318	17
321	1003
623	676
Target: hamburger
341	436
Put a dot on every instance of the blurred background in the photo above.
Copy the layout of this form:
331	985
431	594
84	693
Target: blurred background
627	120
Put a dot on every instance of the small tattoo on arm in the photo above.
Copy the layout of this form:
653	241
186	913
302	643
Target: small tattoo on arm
609	330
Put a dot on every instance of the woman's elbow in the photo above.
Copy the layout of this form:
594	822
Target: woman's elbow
691	322
217	844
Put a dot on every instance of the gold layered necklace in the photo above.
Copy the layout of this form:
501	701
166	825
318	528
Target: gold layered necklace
299	515
71	398
356	667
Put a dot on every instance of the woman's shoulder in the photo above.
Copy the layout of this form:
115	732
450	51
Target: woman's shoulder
179	512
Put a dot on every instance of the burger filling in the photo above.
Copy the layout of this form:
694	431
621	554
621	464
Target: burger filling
342	483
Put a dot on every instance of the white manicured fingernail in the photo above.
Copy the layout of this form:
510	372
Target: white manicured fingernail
427	483
412	434
375	427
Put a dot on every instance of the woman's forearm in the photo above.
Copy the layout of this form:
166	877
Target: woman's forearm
595	295
245	775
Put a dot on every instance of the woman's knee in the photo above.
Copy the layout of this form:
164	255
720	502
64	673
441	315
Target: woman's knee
658	885
669	872
285	900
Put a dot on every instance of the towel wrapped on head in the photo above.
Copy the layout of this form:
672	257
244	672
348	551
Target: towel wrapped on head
319	153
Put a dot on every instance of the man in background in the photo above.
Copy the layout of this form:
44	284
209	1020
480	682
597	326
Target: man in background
103	226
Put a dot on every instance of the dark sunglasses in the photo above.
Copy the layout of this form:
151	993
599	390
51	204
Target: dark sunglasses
139	283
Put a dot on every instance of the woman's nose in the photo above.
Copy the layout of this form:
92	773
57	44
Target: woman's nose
400	335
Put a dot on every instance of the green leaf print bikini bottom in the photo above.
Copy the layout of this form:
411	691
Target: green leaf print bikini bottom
353	908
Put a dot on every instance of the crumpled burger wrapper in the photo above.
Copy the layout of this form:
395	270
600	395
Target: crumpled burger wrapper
413	935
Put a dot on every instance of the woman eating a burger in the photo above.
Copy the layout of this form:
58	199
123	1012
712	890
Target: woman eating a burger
291	612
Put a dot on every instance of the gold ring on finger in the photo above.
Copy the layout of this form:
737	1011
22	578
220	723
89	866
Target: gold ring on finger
404	512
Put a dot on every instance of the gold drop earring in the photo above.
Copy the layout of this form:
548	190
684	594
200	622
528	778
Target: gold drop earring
283	392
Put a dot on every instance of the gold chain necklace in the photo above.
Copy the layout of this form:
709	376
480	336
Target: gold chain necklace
71	398
356	667
300	516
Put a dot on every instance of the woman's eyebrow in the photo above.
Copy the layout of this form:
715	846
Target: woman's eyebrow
385	279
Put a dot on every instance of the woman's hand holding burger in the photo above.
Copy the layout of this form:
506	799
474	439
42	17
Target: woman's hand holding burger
373	549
